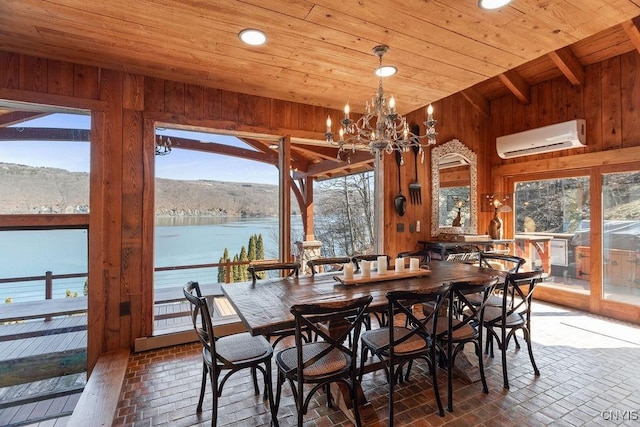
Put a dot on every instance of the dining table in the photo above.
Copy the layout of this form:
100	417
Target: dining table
264	306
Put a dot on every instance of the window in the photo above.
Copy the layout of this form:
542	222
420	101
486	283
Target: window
621	237
552	230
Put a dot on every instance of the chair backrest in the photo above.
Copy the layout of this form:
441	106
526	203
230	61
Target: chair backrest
309	317
510	263
200	316
402	302
288	268
467	311
519	289
336	263
369	257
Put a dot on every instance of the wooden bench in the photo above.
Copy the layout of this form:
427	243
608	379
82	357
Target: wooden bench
99	400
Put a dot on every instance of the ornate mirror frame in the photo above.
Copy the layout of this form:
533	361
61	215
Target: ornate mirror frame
454	147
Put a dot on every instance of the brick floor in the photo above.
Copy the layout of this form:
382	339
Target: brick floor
589	368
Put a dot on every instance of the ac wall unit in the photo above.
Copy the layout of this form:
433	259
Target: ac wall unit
559	136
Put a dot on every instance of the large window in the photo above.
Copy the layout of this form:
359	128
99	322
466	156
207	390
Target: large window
621	237
552	229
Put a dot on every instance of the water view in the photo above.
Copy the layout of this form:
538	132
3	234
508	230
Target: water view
178	241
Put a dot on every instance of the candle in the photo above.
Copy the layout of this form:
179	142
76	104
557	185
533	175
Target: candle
347	271
365	268
414	264
430	112
328	123
392	105
346	111
382	264
399	265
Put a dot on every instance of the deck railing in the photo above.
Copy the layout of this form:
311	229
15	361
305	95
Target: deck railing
49	277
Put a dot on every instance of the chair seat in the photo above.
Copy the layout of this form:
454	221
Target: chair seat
239	348
494	315
463	333
333	362
494	300
378	339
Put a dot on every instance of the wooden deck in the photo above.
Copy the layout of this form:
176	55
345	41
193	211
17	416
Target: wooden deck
42	343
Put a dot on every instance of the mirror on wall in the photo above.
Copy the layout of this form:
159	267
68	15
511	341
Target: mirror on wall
454	182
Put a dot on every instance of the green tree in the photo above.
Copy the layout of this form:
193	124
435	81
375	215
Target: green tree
260	253
252	253
236	270
243	269
222	271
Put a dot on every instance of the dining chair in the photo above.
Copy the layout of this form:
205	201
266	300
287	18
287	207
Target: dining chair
463	324
231	353
323	265
501	262
398	346
289	269
258	269
327	360
513	315
498	262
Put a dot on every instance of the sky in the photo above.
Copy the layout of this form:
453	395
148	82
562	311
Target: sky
179	164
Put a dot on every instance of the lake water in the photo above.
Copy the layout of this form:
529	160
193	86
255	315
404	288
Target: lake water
178	241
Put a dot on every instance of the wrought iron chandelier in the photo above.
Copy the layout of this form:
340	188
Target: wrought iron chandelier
381	129
163	145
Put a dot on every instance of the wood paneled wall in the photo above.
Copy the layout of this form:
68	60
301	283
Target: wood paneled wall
125	108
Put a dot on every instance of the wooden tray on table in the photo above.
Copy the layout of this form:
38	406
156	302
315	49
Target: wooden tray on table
377	277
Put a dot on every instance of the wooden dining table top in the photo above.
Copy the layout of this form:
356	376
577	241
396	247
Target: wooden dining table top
264	306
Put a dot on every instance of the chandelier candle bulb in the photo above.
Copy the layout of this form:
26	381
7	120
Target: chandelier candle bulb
347	271
399	265
328	123
414	264
382	264
366	269
346	111
430	112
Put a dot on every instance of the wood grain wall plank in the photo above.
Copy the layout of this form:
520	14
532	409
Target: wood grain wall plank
630	102
9	70
174	97
610	101
111	92
33	74
212	104
194	101
153	95
60	78
85	81
593	107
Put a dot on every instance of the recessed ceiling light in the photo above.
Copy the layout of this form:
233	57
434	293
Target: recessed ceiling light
386	71
492	4
252	37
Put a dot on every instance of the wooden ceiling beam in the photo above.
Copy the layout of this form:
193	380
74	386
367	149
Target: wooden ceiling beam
16	117
569	64
517	85
43	134
632	28
478	101
331	167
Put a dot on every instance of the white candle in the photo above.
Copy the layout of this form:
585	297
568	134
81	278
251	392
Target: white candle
328	123
365	268
347	271
382	264
414	264
399	265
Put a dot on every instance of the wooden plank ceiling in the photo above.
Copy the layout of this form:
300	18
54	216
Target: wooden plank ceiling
319	51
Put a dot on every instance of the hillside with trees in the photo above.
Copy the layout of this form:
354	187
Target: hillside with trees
42	190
